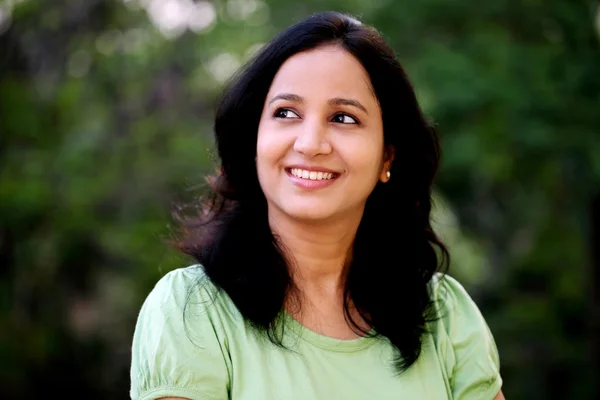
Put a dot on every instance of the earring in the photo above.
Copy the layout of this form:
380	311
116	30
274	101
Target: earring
388	174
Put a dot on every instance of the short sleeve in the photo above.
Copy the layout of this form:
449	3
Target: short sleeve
177	354
465	343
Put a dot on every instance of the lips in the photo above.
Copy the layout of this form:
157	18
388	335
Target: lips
313	175
311	178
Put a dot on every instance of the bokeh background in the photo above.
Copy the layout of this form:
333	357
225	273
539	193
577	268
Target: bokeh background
106	111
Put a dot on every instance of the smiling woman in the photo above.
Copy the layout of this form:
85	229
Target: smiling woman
322	116
319	275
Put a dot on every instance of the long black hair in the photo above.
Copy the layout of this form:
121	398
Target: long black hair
395	252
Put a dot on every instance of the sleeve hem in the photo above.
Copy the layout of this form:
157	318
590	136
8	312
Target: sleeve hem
173	391
493	389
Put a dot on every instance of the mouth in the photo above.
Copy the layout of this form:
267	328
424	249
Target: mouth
312	175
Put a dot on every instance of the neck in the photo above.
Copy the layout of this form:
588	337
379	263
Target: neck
318	251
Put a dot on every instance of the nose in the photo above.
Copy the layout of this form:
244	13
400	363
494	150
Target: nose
312	140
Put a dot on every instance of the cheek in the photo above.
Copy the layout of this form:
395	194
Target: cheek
365	156
270	149
262	142
265	150
271	145
262	156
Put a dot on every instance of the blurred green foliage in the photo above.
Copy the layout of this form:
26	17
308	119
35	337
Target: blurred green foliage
105	120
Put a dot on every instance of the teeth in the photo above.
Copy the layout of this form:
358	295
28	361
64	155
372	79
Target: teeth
311	175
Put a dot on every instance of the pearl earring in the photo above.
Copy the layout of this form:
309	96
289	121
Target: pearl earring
388	174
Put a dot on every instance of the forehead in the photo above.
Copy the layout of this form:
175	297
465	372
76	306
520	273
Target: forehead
330	71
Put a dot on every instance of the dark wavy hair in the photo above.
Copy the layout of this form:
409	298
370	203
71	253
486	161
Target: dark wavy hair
395	253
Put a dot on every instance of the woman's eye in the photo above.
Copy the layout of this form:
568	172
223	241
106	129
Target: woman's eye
344	119
285	113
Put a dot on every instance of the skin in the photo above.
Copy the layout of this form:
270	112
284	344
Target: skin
300	125
321	112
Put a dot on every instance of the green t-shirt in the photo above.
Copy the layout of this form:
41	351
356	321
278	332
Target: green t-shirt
213	354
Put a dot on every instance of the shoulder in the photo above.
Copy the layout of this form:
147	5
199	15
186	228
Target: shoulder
167	308
454	305
189	293
182	280
443	285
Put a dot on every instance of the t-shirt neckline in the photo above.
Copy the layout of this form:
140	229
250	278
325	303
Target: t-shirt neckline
328	342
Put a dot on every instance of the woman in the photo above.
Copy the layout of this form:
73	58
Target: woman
317	275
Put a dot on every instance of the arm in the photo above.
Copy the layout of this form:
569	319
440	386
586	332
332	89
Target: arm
499	396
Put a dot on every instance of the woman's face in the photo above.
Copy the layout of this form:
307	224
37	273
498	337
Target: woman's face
320	149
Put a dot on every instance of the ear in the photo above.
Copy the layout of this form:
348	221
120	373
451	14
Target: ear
388	158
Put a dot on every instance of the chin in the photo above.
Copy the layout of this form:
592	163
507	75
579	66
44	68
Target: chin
308	213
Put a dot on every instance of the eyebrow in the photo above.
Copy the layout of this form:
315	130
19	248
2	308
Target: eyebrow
337	101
